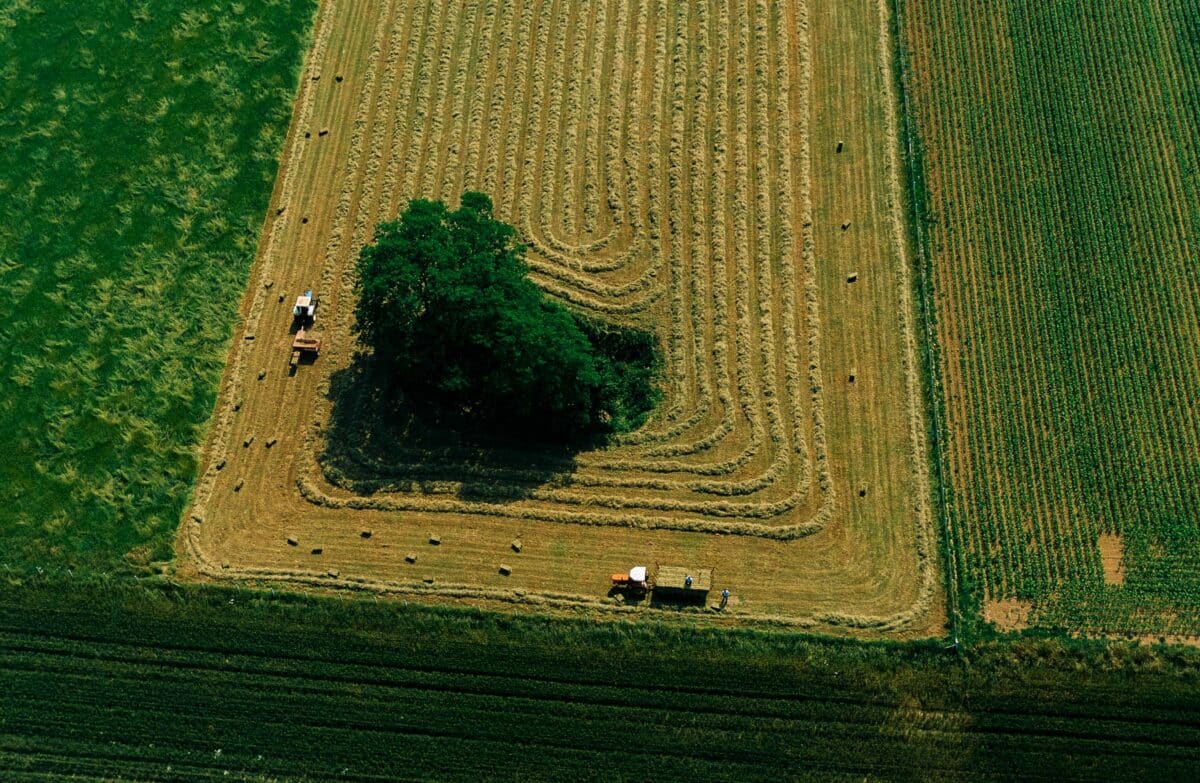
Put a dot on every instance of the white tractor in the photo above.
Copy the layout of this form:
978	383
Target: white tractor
634	582
305	310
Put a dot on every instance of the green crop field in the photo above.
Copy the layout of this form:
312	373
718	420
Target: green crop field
198	684
138	149
1061	219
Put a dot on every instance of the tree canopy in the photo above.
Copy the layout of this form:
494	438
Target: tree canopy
445	302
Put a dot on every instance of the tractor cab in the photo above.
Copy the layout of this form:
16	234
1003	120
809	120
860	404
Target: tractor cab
635	581
305	310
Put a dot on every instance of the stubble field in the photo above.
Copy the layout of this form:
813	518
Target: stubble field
673	166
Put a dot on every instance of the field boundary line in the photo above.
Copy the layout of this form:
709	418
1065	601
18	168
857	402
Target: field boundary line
916	202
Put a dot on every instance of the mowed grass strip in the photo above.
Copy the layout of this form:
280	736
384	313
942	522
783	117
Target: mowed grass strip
138	147
1062	153
261	688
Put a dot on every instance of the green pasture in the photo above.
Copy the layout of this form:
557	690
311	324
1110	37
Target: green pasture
138	149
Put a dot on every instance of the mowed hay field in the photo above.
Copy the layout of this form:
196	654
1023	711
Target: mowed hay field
671	166
138	147
1061	154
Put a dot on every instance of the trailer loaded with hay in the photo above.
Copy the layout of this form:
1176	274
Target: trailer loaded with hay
304	346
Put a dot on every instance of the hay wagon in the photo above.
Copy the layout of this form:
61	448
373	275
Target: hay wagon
682	583
305	346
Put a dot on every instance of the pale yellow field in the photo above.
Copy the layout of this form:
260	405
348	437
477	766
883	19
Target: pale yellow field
671	165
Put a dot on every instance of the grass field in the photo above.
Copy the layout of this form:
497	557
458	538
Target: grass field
1061	159
131	685
789	450
138	146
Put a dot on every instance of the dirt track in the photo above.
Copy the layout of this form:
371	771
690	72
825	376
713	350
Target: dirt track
670	166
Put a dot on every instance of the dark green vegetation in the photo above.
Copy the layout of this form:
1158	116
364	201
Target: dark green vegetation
187	685
1061	211
447	306
138	147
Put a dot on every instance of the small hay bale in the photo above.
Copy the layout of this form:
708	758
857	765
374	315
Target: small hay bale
316	77
846	226
262	374
338	78
308	134
280	298
411	557
280	211
427	579
304	220
293	541
272	442
237	406
516	545
852	277
840	146
323	132
853	375
435	539
248	337
316	550
333	573
246	443
268	284
238	486
197	519
505	570
862	492
365	533
221	465
225	566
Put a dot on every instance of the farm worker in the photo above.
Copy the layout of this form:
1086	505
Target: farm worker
724	597
687	581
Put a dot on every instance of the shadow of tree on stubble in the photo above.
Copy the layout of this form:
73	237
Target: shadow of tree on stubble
379	438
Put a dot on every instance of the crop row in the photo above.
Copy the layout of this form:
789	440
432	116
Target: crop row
263	690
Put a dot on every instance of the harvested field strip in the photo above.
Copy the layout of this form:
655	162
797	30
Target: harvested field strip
1061	154
471	695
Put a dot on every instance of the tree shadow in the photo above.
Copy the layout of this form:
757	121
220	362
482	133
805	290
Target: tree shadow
379	438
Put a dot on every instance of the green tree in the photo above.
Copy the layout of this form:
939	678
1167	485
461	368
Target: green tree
445	303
